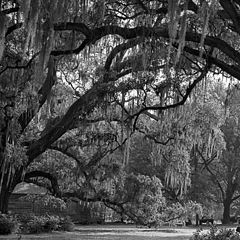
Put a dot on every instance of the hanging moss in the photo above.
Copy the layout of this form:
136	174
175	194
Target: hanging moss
207	11
58	14
206	15
3	29
47	45
173	18
25	8
127	149
182	34
31	25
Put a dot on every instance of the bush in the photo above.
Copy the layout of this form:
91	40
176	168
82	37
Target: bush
216	234
24	219
8	224
43	224
52	223
39	224
66	224
34	225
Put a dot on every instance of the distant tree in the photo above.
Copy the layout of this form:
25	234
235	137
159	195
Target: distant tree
215	161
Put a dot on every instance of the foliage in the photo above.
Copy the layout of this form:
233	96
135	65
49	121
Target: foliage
47	223
146	197
8	224
39	224
140	195
65	224
140	198
181	211
216	158
45	201
216	234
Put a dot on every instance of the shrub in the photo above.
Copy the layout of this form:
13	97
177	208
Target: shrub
34	225
216	234
45	201
24	219
51	223
47	223
8	224
39	224
66	224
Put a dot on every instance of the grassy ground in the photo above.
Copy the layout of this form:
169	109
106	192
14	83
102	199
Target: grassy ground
112	233
74	236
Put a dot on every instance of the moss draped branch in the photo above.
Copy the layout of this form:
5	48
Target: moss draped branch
131	33
37	173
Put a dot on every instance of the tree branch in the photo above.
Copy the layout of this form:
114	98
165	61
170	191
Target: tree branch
184	99
230	9
49	176
230	69
130	33
121	47
10	10
212	174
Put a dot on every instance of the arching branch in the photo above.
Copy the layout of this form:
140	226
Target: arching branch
131	33
124	46
49	176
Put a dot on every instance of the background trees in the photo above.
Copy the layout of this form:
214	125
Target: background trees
221	170
79	78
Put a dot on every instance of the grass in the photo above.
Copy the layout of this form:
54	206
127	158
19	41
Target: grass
103	232
67	236
108	233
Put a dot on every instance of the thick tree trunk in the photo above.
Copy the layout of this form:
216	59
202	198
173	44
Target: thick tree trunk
5	171
4	199
226	211
8	180
4	188
79	110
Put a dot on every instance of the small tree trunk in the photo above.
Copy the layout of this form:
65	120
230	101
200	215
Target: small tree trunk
197	219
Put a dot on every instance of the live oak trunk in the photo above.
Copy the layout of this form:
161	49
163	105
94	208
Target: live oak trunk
9	178
4	199
4	172
8	182
4	187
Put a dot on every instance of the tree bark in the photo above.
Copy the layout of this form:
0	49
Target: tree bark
4	172
197	219
226	211
228	201
5	188
4	199
79	110
9	182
